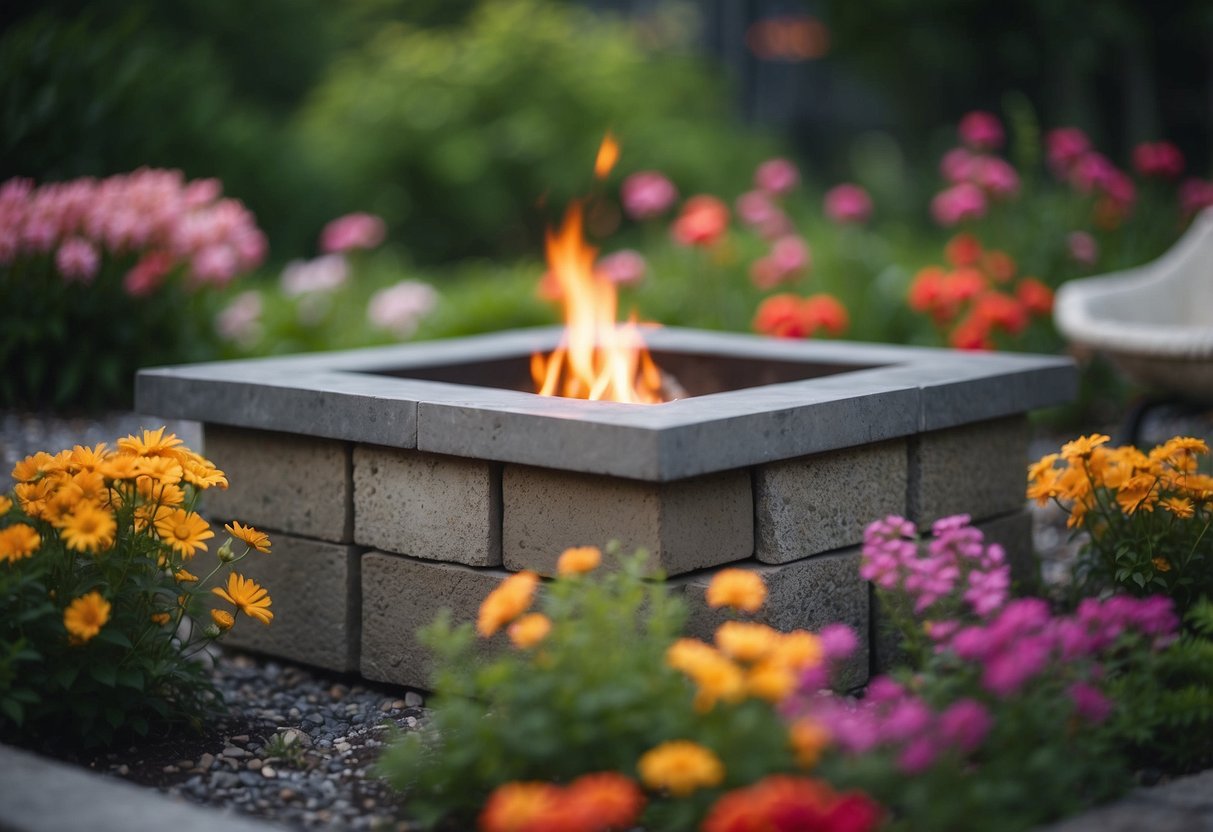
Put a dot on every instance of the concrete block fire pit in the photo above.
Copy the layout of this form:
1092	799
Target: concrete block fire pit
429	472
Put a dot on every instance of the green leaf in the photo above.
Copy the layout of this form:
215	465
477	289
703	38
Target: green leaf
66	675
106	674
115	716
13	710
131	678
113	636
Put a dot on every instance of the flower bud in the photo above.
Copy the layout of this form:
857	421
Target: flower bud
225	553
211	632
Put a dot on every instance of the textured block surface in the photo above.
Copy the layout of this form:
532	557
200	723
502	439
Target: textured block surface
817	503
427	505
399	596
282	481
977	469
315	589
806	594
684	525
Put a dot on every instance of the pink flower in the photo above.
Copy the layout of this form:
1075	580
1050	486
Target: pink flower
790	255
399	309
147	274
323	274
1090	703
1082	248
1161	159
625	267
917	755
957	165
848	203
215	264
1065	146
757	210
996	176
958	203
776	177
981	130
352	231
77	260
647	194
1195	195
1009	670
838	641
965	724
240	320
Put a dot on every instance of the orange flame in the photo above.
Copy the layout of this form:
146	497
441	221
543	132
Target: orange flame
608	155
598	358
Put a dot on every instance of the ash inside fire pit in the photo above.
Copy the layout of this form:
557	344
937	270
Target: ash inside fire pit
694	374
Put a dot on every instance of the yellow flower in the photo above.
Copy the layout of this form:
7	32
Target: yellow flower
165	494
147	515
34	496
1042	467
89	528
88	485
249	536
1083	446
740	589
746	641
6	504
84	458
680	767
505	603
120	468
33	467
1137	494
159	468
578	559
771	680
184	531
152	443
1161	564
223	620
61	506
201	473
529	630
809	738
184	577
85	616
1181	507
686	653
246	596
161	618
18	541
1185	445
799	650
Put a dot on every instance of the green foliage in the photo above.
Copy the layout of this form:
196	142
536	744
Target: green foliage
594	695
138	673
455	135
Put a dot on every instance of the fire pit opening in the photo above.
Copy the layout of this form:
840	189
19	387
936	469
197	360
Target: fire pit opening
697	374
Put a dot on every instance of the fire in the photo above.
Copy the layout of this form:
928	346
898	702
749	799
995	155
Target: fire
598	358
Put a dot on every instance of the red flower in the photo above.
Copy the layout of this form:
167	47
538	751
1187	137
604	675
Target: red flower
780	803
1035	296
789	316
981	130
825	312
963	250
999	265
602	801
1161	159
703	219
972	333
1002	311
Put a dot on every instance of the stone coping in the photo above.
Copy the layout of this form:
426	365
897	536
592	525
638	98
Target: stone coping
42	795
894	391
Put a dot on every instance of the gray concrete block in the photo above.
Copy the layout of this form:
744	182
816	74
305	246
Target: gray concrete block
282	481
817	503
427	505
400	595
977	469
315	589
684	525
806	594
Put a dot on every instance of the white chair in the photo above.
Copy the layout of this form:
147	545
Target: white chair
1154	322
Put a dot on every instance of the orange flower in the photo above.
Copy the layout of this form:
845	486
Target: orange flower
529	630
740	589
772	801
746	641
680	767
999	265
505	603
152	443
249	536
602	801
184	531
1181	507
702	222
18	541
1035	296
578	560
1083	446
809	738
85	616
963	250
247	596
521	807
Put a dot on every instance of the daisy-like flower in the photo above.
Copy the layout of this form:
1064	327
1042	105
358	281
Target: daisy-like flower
247	597
34	496
162	469
249	536
201	473
183	576
1181	507
223	619
85	616
578	559
152	443
529	630
740	589
680	767
88	485
183	530
1083	445
84	458
33	467
89	528
18	541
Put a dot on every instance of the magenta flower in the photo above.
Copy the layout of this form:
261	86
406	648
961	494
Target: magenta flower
1082	248
958	203
776	176
1195	195
981	130
996	176
625	267
147	275
77	260
1064	147
1160	159
965	724
647	194
848	203
839	642
1090	703
957	165
352	231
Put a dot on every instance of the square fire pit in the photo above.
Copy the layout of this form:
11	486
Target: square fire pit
403	479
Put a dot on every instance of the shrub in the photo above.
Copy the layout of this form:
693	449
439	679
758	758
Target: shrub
1147	515
100	619
598	681
110	265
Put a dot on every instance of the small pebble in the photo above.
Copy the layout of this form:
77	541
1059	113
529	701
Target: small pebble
234	753
413	699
